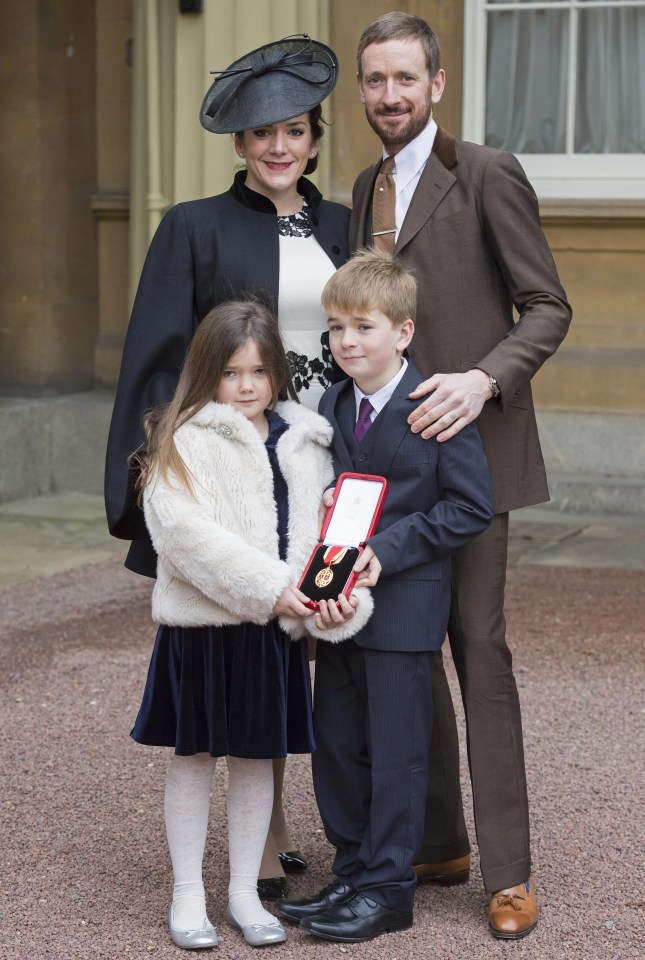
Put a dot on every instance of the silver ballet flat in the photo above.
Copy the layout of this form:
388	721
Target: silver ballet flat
199	939
259	934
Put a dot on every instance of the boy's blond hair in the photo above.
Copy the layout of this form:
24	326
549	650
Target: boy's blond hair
372	280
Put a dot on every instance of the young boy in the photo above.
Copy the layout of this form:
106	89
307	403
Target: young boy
373	695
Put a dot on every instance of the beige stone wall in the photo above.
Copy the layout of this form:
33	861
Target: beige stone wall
48	277
600	253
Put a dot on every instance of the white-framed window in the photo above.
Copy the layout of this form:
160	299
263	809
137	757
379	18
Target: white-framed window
561	84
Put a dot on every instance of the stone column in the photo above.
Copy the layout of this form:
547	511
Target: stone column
48	283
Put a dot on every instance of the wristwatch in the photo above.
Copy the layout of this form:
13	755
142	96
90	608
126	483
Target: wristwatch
493	385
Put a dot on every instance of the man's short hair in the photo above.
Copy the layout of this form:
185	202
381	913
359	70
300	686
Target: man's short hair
401	26
372	280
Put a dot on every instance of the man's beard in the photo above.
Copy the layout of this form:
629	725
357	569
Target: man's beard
405	133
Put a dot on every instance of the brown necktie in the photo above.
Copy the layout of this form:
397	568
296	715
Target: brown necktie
384	208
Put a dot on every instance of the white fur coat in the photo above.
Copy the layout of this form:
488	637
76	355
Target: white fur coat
218	559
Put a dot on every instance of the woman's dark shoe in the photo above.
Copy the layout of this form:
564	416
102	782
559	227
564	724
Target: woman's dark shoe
292	861
272	888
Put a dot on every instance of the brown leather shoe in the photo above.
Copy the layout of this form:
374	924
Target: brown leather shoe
513	913
450	873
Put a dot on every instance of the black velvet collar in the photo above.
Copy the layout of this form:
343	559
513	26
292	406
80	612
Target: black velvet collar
256	201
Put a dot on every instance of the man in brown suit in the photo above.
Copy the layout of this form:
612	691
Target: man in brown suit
468	228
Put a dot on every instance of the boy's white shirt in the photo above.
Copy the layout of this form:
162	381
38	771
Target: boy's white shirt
382	396
218	560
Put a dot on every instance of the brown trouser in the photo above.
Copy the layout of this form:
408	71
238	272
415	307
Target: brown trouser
483	661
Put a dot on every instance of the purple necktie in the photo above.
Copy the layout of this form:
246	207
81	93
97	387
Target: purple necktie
364	421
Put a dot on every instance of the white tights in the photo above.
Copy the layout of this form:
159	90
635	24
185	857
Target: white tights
187	803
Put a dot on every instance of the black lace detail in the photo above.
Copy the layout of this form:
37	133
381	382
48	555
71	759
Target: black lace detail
296	225
327	358
306	370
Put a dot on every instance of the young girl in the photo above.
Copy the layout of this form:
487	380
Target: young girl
232	484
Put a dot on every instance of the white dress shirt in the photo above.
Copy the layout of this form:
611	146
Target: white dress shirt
381	397
408	167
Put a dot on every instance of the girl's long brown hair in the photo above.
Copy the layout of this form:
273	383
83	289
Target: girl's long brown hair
220	334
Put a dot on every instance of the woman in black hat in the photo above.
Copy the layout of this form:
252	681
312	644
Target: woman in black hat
272	236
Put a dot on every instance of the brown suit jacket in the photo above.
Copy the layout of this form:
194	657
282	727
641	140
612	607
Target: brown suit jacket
473	240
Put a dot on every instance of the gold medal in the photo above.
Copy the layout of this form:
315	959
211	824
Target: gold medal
324	577
332	556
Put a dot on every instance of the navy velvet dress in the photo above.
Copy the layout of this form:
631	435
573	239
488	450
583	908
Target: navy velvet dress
242	690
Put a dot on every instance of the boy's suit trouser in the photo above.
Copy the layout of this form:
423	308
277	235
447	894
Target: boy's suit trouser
494	726
373	723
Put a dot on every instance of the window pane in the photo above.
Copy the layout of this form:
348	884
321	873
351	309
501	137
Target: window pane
526	81
610	101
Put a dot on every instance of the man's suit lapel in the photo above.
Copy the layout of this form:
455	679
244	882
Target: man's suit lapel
391	425
434	183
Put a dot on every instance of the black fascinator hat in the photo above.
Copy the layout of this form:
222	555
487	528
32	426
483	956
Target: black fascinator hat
276	82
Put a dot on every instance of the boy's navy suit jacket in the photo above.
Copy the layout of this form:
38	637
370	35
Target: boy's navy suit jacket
439	498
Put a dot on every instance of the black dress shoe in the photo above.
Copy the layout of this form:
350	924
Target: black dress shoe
272	888
296	910
355	920
292	861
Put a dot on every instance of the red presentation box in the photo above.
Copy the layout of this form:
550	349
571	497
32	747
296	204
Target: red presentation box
349	522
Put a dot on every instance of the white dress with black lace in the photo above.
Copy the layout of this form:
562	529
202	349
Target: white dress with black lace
304	270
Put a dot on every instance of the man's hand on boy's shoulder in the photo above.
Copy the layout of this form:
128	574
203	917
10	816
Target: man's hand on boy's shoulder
455	400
